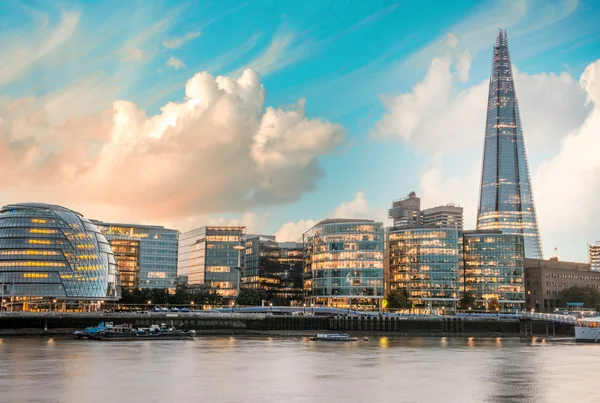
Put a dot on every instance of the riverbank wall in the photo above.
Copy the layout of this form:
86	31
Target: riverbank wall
63	323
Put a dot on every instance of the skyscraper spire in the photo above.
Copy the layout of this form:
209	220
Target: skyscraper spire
506	199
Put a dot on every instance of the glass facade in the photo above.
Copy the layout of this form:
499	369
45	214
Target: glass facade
426	262
594	251
506	198
158	249
48	251
494	268
275	267
207	257
127	254
343	259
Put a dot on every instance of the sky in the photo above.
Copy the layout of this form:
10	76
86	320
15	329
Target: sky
275	115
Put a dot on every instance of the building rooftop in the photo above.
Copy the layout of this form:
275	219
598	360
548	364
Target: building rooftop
343	220
35	205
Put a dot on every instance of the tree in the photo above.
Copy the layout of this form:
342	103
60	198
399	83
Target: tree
588	295
399	299
493	305
467	300
212	297
251	297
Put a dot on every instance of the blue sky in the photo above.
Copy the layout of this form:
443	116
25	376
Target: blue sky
345	59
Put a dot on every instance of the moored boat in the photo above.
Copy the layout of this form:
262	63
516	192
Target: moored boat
127	332
588	330
90	332
333	337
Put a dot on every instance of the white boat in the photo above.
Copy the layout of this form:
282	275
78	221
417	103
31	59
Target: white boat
588	330
332	337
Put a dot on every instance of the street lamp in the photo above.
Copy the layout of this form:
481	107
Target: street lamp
239	249
271	307
304	308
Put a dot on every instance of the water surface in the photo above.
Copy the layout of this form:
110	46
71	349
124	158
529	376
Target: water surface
288	370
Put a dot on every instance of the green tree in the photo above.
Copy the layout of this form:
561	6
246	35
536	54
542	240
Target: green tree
212	297
399	299
467	300
588	295
251	297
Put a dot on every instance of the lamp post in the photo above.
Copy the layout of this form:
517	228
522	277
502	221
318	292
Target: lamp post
239	249
271	307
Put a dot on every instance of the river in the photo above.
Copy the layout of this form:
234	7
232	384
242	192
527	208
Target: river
288	370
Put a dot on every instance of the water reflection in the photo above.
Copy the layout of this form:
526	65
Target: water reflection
234	369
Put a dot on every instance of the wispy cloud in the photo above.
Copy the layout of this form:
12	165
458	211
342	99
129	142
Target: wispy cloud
20	53
176	42
286	48
175	63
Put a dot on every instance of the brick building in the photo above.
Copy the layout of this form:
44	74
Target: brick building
546	279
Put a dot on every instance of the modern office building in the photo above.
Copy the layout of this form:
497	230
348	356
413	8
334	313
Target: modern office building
343	261
146	254
49	253
494	268
426	262
406	211
449	216
210	257
506	198
594	251
545	281
275	267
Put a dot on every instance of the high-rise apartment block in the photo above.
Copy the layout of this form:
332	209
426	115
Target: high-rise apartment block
449	216
506	198
595	256
406	211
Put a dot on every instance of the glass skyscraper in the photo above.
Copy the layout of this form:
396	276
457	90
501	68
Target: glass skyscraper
426	262
146	253
506	199
343	261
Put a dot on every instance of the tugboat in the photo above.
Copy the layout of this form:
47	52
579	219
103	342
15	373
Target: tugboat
332	337
90	332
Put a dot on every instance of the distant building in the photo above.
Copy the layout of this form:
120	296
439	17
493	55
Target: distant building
595	256
146	254
275	267
209	258
506	198
494	268
344	262
426	262
449	216
545	281
406	211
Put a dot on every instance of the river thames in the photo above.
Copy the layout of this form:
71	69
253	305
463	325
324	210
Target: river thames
286	370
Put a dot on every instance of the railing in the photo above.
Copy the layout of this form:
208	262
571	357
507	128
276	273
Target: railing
549	317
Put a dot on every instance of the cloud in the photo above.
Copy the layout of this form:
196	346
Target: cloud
443	120
356	208
130	54
23	51
176	42
219	150
175	63
286	48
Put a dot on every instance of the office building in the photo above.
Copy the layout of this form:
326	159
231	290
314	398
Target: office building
594	251
506	198
545	281
210	257
146	253
344	262
426	262
275	267
406	211
494	268
49	253
449	216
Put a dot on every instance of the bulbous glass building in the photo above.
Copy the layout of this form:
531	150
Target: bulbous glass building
50	252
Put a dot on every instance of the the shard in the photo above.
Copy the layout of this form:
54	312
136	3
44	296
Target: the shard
506	199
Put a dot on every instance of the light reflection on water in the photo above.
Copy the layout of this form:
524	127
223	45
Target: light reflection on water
238	369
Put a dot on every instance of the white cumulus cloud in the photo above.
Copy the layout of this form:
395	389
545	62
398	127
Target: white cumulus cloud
175	63
217	151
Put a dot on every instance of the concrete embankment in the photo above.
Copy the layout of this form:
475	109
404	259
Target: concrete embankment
21	323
